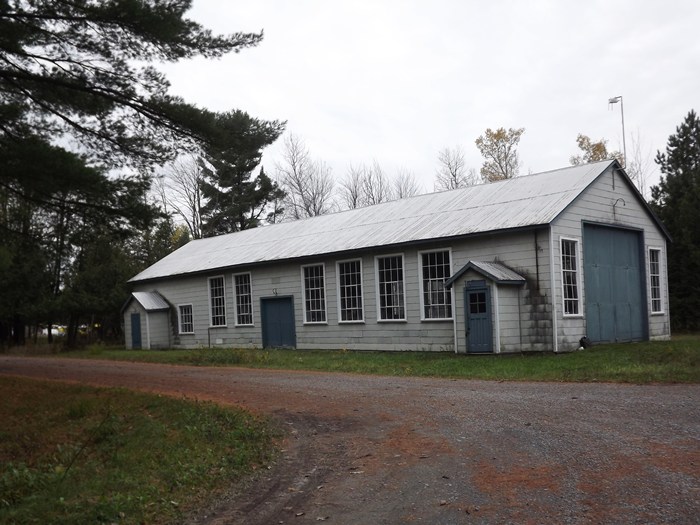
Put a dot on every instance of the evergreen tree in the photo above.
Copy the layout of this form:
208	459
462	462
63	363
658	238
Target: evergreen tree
676	200
236	199
77	73
68	68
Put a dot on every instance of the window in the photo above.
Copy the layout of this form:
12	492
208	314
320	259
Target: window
244	299
350	291
435	270
569	270
186	323
390	288
655	280
217	302
314	294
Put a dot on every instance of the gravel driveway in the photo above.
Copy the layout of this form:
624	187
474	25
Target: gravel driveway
371	450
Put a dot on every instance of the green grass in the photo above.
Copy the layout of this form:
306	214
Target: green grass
675	361
77	454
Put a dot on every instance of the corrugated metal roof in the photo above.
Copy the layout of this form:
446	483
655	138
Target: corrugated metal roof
523	201
151	301
495	271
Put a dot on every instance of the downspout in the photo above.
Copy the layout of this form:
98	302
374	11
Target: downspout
537	261
497	318
148	331
552	290
454	315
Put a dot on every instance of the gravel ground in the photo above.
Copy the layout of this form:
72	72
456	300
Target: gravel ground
381	450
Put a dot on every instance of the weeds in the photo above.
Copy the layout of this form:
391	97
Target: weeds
675	361
73	454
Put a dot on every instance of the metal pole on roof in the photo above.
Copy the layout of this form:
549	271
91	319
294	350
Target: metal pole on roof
615	100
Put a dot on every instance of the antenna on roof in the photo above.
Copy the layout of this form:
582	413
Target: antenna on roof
615	100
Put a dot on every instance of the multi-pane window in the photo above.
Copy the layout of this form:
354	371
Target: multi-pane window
217	301
477	303
390	287
350	291
569	270
314	294
244	299
186	322
655	279
437	300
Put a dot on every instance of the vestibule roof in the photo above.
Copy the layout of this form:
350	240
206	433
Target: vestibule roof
526	201
494	271
150	301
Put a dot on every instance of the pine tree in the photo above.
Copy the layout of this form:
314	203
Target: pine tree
70	68
676	200
236	199
79	74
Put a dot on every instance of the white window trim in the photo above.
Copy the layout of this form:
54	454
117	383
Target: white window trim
235	300
420	286
579	278
179	319
376	288
303	294
661	280
211	324
362	291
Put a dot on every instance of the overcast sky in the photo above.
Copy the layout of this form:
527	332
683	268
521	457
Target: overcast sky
397	81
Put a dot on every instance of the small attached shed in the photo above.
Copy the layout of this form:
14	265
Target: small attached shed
488	299
147	321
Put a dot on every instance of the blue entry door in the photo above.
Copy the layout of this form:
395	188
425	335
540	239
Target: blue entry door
478	318
278	329
135	330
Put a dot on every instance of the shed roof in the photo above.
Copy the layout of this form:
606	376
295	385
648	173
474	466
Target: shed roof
151	301
525	201
495	271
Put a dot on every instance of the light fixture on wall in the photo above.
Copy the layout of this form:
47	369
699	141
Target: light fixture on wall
615	100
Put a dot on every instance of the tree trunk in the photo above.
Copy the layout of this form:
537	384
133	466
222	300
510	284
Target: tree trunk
18	330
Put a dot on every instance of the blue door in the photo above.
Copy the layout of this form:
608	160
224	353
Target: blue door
278	329
614	282
135	330
478	318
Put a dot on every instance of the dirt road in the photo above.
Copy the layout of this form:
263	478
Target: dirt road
372	450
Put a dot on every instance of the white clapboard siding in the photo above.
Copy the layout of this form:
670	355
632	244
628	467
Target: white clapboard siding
596	205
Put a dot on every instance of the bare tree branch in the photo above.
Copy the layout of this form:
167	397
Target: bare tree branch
182	191
308	183
452	172
405	184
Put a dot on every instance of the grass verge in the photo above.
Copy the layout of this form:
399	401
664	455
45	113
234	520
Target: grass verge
78	454
675	361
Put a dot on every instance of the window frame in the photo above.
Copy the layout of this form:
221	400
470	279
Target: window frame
180	331
660	287
236	312
361	296
378	285
223	297
421	282
577	274
323	290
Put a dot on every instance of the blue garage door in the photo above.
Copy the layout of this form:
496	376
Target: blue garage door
277	315
614	281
